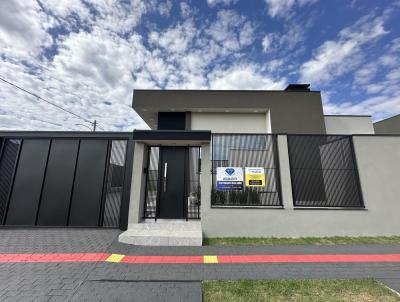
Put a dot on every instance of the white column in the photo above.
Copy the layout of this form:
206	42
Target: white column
205	179
284	172
138	184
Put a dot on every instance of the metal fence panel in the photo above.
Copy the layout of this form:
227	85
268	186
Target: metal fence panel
8	161
193	183
152	181
324	171
247	150
115	183
39	173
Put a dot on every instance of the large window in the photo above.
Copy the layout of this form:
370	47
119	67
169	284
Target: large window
323	171
253	159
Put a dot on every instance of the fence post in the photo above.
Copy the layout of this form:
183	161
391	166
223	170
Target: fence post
136	203
205	180
284	172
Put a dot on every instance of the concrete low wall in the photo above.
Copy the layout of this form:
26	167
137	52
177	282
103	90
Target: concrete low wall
378	160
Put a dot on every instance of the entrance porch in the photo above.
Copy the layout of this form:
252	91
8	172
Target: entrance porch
165	201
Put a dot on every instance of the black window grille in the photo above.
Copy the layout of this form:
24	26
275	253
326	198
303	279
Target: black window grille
324	171
246	150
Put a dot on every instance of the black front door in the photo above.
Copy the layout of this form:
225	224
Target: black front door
172	184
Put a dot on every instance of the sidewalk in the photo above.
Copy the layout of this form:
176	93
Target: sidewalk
98	266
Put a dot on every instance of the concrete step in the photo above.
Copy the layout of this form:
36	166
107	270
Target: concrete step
164	233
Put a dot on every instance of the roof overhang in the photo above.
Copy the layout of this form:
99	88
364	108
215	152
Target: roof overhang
172	137
147	103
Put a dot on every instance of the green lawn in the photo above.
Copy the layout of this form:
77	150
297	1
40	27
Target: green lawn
297	290
304	240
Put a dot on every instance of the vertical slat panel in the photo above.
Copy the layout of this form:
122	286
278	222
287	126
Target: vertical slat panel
152	180
28	182
58	183
115	183
88	185
323	171
8	161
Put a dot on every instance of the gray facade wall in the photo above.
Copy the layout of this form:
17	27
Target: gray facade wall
290	111
378	160
388	126
230	122
346	124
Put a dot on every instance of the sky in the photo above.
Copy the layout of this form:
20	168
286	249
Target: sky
89	55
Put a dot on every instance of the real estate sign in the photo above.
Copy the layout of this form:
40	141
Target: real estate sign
255	176
229	178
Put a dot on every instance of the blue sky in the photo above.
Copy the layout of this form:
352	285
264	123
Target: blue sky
88	55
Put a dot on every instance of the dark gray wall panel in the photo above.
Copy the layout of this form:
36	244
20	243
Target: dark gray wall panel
58	182
88	185
27	188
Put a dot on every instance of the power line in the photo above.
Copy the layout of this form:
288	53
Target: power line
49	102
43	121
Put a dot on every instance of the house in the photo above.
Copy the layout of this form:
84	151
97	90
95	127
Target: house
316	177
390	125
213	164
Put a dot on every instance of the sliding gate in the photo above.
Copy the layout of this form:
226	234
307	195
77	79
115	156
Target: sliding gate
63	179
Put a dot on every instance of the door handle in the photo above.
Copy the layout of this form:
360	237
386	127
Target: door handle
165	176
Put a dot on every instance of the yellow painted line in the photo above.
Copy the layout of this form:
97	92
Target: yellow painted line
115	258
210	259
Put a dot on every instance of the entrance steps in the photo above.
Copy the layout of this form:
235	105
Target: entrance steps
164	232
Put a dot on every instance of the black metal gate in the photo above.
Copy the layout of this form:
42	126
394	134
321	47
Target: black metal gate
64	179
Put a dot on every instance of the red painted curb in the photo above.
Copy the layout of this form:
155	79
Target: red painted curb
101	257
64	257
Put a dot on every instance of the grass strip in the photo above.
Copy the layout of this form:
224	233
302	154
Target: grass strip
297	290
302	241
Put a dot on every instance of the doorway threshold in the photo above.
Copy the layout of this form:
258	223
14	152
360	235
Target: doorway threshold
164	232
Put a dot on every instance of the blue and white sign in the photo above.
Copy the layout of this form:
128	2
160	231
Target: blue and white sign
229	178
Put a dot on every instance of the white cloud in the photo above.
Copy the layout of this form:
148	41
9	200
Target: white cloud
244	77
334	58
164	8
365	74
231	30
281	8
379	107
395	47
266	43
213	3
175	39
185	9
63	9
23	28
90	71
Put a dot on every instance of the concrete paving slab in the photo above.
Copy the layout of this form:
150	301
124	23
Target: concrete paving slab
138	291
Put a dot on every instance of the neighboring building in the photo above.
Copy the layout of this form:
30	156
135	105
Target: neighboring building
390	125
349	124
214	164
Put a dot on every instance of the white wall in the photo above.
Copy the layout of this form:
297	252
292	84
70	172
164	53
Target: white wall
378	160
220	122
348	124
